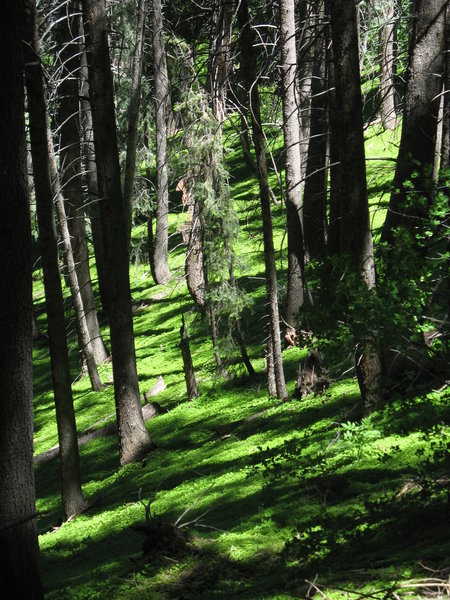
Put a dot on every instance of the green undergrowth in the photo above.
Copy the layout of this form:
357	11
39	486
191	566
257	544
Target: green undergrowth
280	500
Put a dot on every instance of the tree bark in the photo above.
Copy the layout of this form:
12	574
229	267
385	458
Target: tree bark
133	117
294	185
93	208
134	440
387	64
68	131
248	66
420	118
72	497
189	373
355	234
19	550
160	247
84	340
315	194
219	57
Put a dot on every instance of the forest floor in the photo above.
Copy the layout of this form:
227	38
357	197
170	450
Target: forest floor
270	500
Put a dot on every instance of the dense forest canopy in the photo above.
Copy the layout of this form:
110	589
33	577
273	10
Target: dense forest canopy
245	206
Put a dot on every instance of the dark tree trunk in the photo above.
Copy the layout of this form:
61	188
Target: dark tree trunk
160	247
219	57
189	373
72	497
445	146
93	208
294	186
19	550
248	66
84	338
355	234
334	218
315	194
387	64
68	121
133	118
134	440
305	61
416	154
194	265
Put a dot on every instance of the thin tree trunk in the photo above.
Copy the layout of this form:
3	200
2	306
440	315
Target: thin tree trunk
305	61
160	247
93	208
70	179
133	118
82	327
355	234
248	66
189	373
387	49
19	549
294	185
219	57
134	440
72	497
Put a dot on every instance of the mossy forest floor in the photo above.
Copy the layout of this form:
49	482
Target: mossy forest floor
308	497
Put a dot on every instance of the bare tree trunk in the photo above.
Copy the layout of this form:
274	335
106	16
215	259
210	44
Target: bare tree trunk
189	373
19	549
445	146
133	118
160	248
248	66
84	342
194	264
72	497
305	61
315	194
134	440
294	185
335	211
219	57
387	49
355	234
420	118
70	179
93	208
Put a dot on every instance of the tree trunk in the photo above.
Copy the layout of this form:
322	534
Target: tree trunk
334	218
294	185
134	440
72	497
133	117
315	194
387	51
189	373
445	146
355	234
420	118
248	66
19	549
93	209
194	264
70	179
305	61
219	57
160	247
84	340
